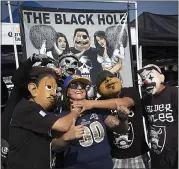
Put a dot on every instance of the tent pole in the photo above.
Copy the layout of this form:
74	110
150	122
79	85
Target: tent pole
137	46
13	33
140	55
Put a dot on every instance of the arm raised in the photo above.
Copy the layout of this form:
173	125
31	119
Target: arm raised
104	104
64	123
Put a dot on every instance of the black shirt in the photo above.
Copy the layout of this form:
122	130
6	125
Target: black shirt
89	67
30	137
19	79
161	112
4	95
132	143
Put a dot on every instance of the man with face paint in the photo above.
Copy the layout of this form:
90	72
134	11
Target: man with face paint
31	124
88	65
161	113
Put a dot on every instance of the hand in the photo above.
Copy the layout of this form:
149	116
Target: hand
83	104
76	109
58	71
116	52
43	48
123	112
123	109
38	58
122	52
74	132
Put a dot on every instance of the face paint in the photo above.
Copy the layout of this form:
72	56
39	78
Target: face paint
110	86
46	92
77	93
81	41
151	81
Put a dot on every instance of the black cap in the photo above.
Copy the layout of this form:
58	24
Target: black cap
102	76
37	71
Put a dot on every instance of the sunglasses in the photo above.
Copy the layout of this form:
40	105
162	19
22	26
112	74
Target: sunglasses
76	85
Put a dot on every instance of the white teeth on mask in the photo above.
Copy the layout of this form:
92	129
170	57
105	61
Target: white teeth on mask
86	75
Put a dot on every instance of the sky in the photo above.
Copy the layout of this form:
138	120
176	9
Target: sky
157	7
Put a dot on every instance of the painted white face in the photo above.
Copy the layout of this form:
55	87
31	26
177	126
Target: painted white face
151	81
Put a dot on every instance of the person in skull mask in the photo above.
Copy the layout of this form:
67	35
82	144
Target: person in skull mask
31	124
68	63
88	64
161	113
80	153
128	150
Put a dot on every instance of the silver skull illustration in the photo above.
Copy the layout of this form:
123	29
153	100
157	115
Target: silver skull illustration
124	141
85	66
155	138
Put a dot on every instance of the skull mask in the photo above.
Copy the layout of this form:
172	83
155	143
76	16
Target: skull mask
85	66
68	64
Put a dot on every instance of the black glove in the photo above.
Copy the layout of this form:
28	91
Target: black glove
41	58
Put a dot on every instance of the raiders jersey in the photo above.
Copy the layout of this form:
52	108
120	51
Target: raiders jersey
132	143
92	151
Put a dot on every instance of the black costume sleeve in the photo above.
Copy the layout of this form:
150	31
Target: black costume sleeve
14	98
144	103
33	118
20	76
4	94
18	92
144	113
132	93
175	98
